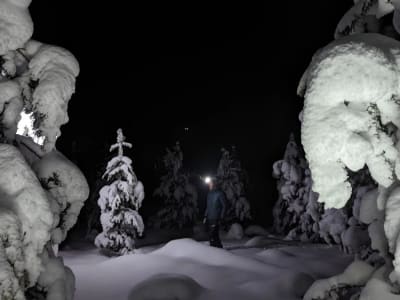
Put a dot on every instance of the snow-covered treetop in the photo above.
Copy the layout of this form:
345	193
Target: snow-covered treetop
120	143
120	166
364	15
173	160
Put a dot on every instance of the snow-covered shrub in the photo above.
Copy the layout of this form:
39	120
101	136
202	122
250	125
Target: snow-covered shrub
179	196
119	202
231	178
41	191
235	232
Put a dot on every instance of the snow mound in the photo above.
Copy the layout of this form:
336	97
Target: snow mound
190	249
357	274
167	287
216	274
235	232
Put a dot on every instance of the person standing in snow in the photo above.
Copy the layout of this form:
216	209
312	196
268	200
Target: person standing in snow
215	212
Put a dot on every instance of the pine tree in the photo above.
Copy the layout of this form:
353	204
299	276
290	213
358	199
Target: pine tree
232	180
179	196
119	202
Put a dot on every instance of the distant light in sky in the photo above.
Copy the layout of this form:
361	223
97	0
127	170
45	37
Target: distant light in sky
26	128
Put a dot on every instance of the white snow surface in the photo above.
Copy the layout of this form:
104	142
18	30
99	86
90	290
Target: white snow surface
185	269
351	94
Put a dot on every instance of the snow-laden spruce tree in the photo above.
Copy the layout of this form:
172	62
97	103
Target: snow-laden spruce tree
231	178
351	119
296	213
119	203
42	192
178	195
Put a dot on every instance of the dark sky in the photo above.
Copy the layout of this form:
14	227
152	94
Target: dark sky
227	70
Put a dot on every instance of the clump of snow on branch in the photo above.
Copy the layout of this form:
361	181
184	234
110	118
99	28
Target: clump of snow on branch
66	187
365	15
10	104
55	70
179	196
12	260
16	26
350	102
231	178
24	197
119	202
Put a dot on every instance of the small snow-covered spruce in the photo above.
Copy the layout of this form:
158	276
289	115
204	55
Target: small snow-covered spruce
179	196
231	178
298	215
119	203
297	212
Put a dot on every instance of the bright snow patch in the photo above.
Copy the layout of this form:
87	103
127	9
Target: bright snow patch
26	128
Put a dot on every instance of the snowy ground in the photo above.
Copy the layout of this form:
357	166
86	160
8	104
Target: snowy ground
186	269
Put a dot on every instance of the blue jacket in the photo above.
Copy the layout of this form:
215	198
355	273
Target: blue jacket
215	205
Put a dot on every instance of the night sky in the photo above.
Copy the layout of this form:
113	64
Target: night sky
226	70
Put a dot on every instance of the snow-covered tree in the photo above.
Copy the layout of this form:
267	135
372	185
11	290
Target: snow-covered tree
350	121
296	213
179	196
365	15
231	178
119	202
42	191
